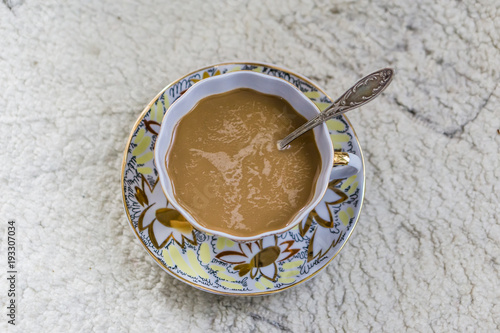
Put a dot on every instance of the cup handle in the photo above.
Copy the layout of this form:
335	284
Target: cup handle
345	165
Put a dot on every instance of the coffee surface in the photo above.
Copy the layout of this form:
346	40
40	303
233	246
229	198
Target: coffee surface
227	171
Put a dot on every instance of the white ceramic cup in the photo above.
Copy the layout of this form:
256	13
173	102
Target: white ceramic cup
268	85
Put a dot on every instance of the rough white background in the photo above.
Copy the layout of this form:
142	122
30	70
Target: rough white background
75	75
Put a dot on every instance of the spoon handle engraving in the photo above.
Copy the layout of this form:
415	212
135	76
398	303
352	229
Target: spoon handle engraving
364	91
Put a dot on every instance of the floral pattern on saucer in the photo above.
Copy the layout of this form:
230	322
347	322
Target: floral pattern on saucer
217	264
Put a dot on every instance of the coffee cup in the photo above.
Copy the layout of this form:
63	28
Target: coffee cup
334	165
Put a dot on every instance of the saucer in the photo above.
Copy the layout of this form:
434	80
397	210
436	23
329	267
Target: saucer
217	264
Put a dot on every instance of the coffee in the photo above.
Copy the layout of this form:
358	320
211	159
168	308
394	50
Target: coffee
227	171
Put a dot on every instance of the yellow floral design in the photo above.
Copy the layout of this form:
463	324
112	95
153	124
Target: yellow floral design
337	128
188	264
226	280
155	117
142	153
223	242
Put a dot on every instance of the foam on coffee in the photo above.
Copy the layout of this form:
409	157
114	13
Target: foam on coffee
227	171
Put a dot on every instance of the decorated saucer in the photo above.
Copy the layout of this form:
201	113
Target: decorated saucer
217	264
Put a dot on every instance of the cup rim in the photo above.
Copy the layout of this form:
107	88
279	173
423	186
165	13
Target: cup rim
160	155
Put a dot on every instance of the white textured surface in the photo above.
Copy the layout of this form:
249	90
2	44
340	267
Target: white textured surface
425	254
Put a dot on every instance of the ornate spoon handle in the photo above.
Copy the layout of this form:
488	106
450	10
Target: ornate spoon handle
364	91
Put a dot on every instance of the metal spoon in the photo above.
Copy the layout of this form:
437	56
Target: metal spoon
364	91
